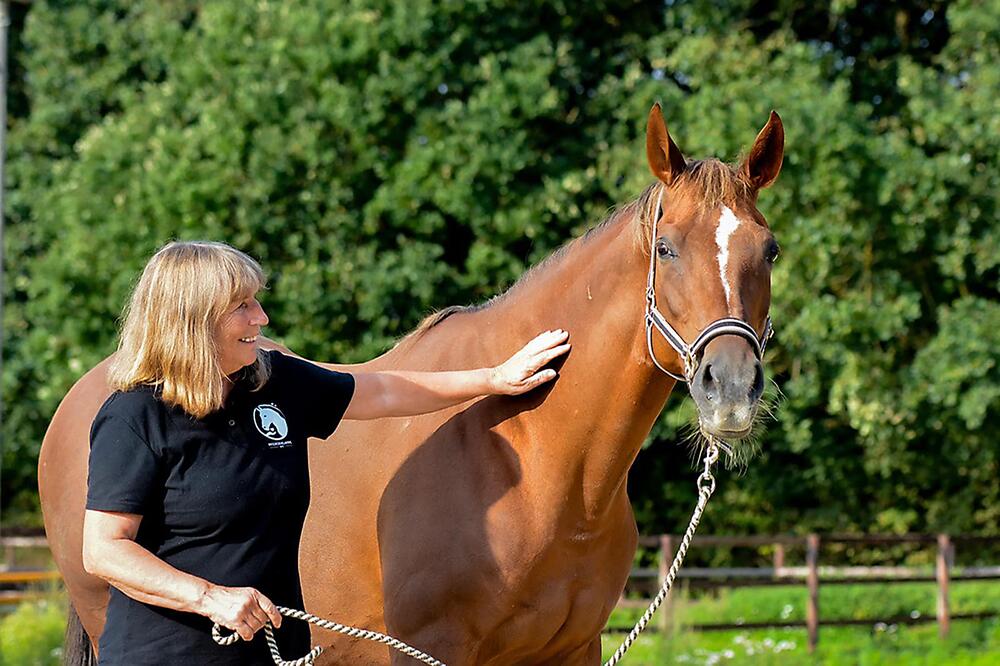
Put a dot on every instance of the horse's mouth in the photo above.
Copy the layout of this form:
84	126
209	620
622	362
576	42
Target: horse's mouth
733	434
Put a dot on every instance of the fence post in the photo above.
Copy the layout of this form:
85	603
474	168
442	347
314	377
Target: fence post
8	557
812	581
944	562
779	557
666	559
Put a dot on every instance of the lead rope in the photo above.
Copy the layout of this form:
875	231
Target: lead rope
706	486
353	632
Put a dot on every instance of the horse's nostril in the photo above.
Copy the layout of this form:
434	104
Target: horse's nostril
757	389
708	382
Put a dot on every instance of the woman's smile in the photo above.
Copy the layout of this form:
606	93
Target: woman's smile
237	348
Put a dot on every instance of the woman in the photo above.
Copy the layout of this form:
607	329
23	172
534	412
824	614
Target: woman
198	480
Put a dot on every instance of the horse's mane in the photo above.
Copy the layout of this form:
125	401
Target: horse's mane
716	183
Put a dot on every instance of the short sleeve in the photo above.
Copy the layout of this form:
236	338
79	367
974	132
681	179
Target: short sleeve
123	470
324	394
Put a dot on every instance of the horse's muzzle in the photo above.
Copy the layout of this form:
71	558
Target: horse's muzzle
727	388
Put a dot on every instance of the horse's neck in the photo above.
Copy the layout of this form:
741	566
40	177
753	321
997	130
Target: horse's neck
575	449
608	395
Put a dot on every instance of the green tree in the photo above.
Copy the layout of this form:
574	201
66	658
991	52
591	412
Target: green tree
385	159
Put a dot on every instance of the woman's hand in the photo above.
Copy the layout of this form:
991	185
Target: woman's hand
520	373
241	609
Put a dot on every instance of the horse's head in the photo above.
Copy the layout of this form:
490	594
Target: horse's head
710	268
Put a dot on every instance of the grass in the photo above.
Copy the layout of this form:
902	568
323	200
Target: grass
970	643
33	634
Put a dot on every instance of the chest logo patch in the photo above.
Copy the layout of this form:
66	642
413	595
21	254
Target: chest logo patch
270	421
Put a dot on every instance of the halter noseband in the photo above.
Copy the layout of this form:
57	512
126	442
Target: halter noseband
689	353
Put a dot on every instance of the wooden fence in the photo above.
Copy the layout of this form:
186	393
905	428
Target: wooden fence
19	582
16	581
812	574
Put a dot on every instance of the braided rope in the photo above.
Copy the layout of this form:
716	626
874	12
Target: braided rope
353	632
706	486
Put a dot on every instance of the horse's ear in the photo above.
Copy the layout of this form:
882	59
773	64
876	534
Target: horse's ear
762	165
664	157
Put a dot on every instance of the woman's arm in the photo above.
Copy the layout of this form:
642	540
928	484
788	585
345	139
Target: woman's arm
111	553
384	394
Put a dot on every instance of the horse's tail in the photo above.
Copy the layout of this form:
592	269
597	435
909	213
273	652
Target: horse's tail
76	646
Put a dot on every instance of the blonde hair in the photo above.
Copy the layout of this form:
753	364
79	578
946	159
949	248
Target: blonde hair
168	327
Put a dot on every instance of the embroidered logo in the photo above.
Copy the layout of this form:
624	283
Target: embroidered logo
270	422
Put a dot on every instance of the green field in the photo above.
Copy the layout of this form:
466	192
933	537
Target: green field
33	634
970	642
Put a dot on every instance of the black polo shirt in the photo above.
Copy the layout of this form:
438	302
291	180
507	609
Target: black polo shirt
223	498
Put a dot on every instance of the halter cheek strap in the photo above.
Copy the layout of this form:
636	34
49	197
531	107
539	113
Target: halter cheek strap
690	353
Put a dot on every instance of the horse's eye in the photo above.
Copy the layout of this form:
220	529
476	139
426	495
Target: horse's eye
771	254
664	251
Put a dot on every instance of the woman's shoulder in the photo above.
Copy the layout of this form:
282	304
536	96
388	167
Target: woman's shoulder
132	403
137	410
291	366
283	363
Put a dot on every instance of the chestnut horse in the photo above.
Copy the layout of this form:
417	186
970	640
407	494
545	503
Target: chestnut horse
499	532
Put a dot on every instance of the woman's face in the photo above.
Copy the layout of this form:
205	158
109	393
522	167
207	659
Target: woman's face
236	335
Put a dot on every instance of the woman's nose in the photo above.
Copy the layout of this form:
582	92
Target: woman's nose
260	317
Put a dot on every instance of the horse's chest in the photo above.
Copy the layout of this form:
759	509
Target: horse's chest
564	598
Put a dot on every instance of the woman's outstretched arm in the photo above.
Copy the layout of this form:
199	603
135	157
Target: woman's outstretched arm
391	393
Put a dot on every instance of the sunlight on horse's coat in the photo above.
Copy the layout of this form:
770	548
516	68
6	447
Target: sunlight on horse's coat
500	532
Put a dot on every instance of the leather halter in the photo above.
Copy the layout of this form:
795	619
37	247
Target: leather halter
690	353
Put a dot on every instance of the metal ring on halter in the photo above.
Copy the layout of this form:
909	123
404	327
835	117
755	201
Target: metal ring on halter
706	483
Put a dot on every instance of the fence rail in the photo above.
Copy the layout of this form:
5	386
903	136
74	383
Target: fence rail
15	583
813	574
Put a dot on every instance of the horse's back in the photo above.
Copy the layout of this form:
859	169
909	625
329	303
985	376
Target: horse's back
62	490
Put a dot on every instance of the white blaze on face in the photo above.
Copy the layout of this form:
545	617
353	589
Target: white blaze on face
728	223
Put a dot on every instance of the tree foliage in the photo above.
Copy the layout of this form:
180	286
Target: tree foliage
384	159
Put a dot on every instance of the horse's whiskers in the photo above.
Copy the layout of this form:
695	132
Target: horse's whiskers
739	454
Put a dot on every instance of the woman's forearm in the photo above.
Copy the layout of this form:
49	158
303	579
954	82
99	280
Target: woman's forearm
146	578
110	553
410	393
400	393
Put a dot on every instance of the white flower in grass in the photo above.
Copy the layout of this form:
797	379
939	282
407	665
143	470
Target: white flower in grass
768	643
915	614
784	645
786	612
728	654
